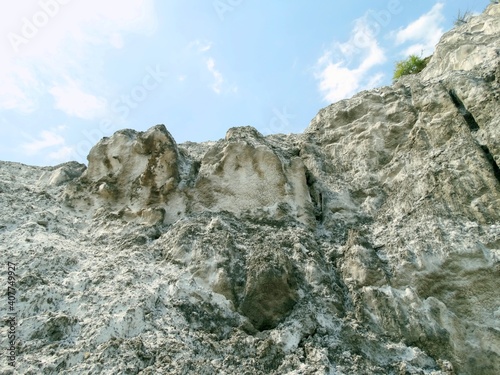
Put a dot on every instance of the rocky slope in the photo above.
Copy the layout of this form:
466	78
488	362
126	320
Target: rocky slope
370	244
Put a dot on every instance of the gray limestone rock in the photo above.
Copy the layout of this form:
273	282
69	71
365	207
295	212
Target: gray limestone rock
369	244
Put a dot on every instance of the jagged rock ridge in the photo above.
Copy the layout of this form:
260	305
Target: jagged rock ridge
370	244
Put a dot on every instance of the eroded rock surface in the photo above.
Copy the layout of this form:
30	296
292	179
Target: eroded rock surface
245	173
369	244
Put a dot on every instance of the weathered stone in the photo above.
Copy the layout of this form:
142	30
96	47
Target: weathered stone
132	171
62	174
270	293
245	173
370	244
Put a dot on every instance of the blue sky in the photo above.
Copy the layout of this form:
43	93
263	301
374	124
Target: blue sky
74	71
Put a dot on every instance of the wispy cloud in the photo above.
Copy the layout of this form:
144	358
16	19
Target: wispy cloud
346	68
19	88
116	40
47	139
217	76
200	45
71	99
423	33
36	58
203	54
62	154
49	145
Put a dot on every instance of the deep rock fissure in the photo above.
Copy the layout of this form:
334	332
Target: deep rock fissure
316	197
473	127
491	160
469	119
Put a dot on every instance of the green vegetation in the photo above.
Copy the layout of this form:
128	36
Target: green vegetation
412	65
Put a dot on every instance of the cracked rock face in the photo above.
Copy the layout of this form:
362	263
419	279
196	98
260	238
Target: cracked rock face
369	244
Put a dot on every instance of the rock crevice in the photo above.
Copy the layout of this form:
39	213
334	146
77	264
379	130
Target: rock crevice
369	244
469	119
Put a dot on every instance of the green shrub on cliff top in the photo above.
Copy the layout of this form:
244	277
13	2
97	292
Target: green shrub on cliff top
412	65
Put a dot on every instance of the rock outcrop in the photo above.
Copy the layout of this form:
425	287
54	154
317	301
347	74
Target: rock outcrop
369	244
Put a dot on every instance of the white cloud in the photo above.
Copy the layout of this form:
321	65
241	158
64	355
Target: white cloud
347	67
45	42
424	33
49	146
116	40
375	80
14	92
64	153
47	139
201	48
72	100
200	45
217	76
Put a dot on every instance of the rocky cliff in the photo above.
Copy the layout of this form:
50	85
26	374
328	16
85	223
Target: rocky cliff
369	244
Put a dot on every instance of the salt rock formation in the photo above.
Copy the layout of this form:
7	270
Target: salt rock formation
369	244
